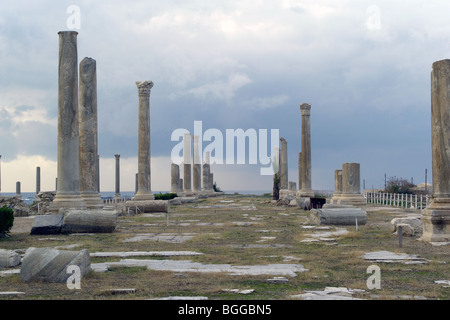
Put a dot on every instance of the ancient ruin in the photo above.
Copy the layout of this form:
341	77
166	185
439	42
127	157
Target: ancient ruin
305	155
436	217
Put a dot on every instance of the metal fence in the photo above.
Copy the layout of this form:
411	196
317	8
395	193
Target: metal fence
398	199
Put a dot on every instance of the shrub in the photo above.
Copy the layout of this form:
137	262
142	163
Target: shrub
216	188
6	220
276	187
165	196
398	185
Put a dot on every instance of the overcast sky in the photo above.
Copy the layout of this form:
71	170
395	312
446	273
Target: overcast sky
364	66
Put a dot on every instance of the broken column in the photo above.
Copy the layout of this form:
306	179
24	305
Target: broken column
351	193
187	163
305	173
89	134
337	186
436	217
283	165
176	183
117	189
197	168
144	159
38	180
207	175
68	193
18	193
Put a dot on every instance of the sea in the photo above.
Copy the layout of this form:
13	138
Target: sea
28	197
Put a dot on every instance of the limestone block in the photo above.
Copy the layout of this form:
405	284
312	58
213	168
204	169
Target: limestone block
338	216
89	221
414	223
47	224
147	206
407	230
9	258
51	265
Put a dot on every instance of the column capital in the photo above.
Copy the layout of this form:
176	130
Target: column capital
117	156
144	87
305	108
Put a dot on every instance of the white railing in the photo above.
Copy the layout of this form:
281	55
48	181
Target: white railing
398	199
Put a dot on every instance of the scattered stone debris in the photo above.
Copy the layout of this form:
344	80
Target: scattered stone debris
446	282
245	292
390	257
144	254
278	280
9	259
164	237
11	293
118	291
189	266
330	293
5	273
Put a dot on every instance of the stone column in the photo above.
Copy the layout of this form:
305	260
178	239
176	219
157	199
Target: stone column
68	193
284	183
187	163
305	174
144	157
337	186
18	193
38	180
436	217
351	190
117	190
176	182
300	170
89	174
197	168
207	185
136	183
0	174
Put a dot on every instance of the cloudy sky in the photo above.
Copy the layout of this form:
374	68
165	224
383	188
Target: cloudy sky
364	66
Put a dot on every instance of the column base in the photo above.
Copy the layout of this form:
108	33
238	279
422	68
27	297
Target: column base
436	221
93	200
143	196
67	201
305	193
354	199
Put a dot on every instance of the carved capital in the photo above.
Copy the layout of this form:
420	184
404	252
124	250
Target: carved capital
144	87
305	108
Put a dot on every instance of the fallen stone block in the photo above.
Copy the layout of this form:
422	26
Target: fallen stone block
9	258
47	224
51	265
147	206
89	221
338	216
407	230
413	222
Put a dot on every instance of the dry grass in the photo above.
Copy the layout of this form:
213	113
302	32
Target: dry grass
338	265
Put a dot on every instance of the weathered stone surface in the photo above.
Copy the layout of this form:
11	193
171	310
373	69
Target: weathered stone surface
176	184
414	222
68	193
284	184
305	170
351	193
47	224
17	204
338	216
147	206
9	258
89	221
51	265
407	230
391	257
144	157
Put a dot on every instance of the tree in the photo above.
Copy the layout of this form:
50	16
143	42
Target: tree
399	185
6	220
276	187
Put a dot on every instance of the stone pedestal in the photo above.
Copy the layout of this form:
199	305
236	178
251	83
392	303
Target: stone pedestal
68	192
436	217
88	134
337	186
305	173
351	193
144	172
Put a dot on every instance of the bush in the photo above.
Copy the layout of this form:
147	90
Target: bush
6	220
165	196
399	185
216	188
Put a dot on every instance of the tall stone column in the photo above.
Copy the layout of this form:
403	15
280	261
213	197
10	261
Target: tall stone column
187	163
38	180
68	193
197	168
89	174
351	189
0	174
284	179
207	183
300	170
117	190
144	157
436	217
305	174
18	192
